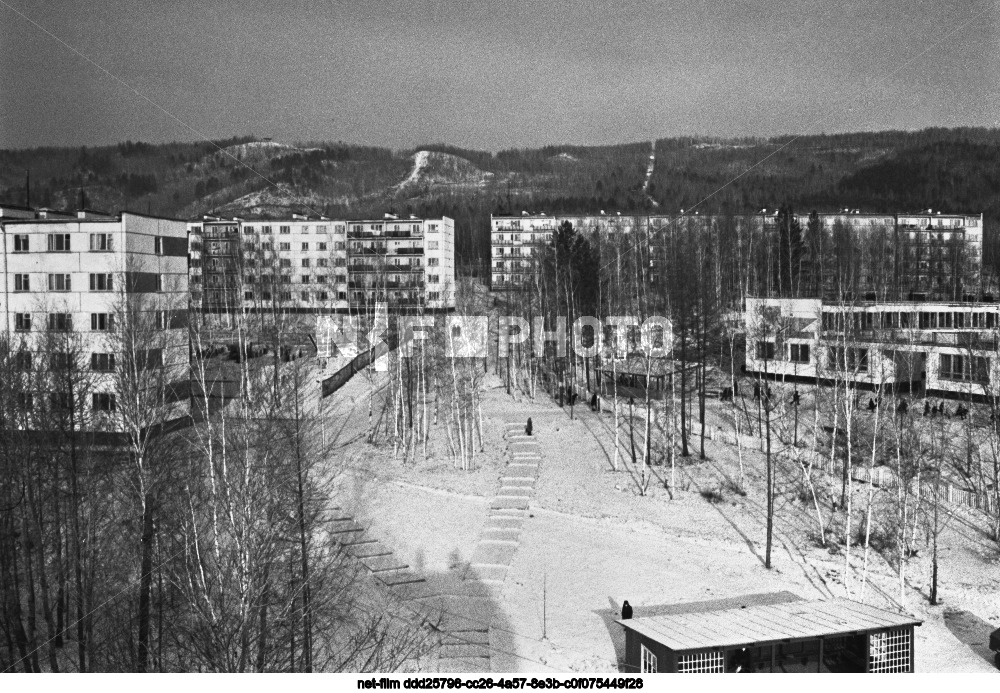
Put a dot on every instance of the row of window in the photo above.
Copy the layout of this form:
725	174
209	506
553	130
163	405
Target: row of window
60	243
64	282
99	322
923	320
63	402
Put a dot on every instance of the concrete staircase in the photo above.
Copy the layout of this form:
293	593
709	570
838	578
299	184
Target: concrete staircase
501	536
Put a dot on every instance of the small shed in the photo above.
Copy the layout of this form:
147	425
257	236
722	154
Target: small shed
837	635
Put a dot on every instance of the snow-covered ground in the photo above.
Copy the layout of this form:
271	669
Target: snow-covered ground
591	540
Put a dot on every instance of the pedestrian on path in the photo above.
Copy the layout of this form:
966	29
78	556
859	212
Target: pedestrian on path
626	611
527	429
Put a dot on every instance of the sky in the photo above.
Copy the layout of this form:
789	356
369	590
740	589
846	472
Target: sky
490	75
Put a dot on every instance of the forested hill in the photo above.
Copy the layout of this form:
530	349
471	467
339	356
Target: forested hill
955	170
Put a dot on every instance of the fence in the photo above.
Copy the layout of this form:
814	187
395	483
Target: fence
358	363
882	477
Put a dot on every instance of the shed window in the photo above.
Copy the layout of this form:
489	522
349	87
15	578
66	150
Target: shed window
648	660
889	652
701	663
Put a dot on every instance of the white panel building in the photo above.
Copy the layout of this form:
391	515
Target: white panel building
65	283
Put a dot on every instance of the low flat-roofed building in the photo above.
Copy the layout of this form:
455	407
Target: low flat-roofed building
769	633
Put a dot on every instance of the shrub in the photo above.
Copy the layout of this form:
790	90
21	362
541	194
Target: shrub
712	495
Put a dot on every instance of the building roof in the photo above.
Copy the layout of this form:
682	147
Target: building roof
757	623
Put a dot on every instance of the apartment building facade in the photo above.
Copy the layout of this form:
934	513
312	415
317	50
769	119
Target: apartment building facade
313	266
944	349
67	285
883	255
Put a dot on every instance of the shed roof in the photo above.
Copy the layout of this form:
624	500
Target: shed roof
763	623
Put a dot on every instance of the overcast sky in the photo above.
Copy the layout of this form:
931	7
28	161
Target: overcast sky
491	75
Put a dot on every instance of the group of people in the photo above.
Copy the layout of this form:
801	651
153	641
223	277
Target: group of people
961	411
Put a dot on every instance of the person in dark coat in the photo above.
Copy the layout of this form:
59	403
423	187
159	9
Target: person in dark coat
626	611
593	402
527	429
903	406
756	390
871	404
927	408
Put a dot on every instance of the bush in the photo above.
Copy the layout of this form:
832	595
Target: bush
712	495
733	486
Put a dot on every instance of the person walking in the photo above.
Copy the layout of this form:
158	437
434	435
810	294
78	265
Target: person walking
626	611
527	429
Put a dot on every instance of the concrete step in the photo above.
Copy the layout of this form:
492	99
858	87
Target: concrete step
367	550
488	574
510	503
511	535
516	477
466	637
493	553
399	577
495	522
344	526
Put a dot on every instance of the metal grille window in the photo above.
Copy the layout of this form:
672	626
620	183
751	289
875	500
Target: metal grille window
101	282
889	652
648	660
701	663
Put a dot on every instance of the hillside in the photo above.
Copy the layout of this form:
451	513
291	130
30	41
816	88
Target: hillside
948	170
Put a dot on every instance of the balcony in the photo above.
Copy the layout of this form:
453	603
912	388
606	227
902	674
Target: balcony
409	251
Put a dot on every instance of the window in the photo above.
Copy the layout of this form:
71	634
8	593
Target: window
21	243
100	282
22	282
798	353
305	246
285	279
339	245
432	262
305	262
849	359
321	279
305	295
285	246
59	282
285	296
158	245
432	245
765	351
104	401
22	361
305	278
965	368
321	246
58	242
101	242
248	295
701	662
60	361
434	296
265	229
285	262
60	322
322	262
323	295
159	282
60	401
321	228
266	296
102	363
22	322
267	246
284	229
101	322
304	228
648	660
433	278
